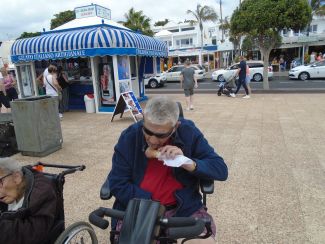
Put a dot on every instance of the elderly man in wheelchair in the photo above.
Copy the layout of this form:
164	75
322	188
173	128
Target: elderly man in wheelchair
163	158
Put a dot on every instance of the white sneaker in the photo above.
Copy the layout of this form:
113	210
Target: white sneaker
60	115
232	94
247	96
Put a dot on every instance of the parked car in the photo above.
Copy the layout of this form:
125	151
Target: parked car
174	73
305	72
255	67
154	81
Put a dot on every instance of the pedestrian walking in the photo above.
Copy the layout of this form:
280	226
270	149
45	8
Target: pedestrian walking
64	84
241	72
188	83
248	80
312	57
4	100
9	83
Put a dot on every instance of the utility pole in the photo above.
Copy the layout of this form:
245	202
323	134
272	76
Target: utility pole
221	21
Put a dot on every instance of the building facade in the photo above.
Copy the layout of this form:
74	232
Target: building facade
183	41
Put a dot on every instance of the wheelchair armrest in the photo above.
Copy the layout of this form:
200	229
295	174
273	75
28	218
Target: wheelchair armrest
105	191
207	186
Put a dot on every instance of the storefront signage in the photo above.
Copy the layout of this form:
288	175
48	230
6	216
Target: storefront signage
91	11
54	55
103	12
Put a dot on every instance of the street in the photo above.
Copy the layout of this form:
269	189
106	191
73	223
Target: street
277	83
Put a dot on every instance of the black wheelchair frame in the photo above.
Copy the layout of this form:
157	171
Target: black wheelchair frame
58	181
144	223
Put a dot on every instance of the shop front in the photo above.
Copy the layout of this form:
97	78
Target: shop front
98	55
180	55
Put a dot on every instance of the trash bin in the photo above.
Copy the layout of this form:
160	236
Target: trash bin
90	103
37	125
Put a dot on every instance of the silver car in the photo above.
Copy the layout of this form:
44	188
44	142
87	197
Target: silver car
154	81
174	73
305	72
255	69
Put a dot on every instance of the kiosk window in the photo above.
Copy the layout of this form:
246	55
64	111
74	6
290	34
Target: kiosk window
106	81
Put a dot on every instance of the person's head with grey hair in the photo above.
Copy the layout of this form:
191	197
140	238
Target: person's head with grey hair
161	110
160	120
9	165
12	181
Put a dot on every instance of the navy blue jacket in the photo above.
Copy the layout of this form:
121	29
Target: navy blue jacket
130	163
242	72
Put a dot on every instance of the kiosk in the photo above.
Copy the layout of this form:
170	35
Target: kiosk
98	55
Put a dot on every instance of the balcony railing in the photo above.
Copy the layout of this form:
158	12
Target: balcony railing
304	38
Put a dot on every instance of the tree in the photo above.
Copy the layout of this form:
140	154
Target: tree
264	19
62	18
135	20
317	7
162	22
29	34
224	26
221	22
201	15
248	44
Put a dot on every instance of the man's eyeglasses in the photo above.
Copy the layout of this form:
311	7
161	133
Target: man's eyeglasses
158	135
1	179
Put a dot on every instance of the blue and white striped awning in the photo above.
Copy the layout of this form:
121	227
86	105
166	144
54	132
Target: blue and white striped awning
97	41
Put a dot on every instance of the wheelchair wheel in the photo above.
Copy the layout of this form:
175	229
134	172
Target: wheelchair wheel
78	233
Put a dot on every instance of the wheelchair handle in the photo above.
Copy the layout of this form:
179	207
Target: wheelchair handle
177	221
70	168
186	231
97	217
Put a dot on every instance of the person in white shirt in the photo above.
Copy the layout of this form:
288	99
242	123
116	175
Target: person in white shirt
51	83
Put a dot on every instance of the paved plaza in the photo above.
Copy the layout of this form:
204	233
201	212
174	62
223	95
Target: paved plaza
273	144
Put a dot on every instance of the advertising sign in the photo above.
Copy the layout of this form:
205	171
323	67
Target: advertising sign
86	11
128	101
91	11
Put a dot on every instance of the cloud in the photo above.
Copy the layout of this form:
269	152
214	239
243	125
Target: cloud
24	15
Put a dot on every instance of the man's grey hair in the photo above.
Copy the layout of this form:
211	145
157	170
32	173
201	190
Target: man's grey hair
9	165
161	110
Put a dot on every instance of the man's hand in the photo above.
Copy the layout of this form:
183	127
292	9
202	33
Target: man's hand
189	167
170	152
151	153
196	85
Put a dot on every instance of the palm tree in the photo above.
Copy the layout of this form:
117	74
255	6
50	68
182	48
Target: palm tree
201	15
317	7
221	22
135	20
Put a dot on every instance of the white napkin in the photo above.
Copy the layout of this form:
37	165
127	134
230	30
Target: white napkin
178	161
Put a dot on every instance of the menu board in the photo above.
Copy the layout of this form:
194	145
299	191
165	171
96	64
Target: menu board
127	101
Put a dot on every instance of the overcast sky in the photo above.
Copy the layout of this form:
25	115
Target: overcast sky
18	16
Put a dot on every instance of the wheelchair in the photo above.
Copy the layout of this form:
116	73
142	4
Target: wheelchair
186	230
85	231
143	221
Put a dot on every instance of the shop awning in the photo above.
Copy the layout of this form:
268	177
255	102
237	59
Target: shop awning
88	42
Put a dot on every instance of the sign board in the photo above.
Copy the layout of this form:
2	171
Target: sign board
91	11
102	12
127	101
